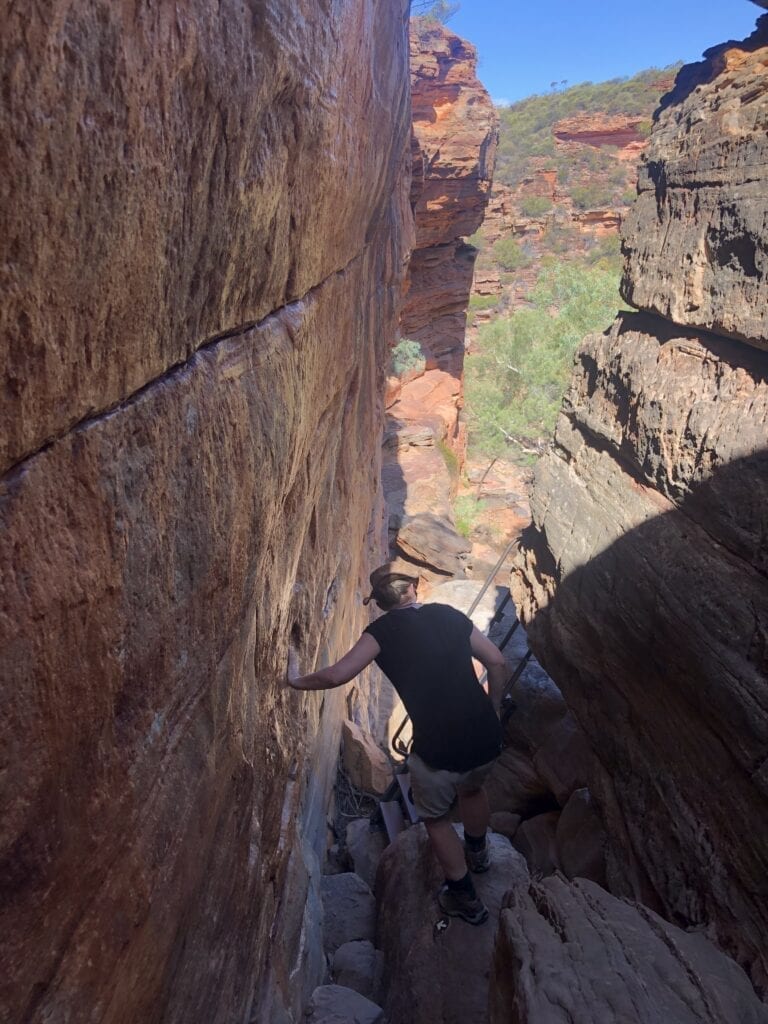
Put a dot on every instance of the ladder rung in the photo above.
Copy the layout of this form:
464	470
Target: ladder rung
404	781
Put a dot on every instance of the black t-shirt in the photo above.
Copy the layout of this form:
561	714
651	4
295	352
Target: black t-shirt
426	654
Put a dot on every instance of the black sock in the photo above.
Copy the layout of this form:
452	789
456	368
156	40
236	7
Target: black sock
474	842
461	884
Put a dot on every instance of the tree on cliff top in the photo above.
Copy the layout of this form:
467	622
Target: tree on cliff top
433	10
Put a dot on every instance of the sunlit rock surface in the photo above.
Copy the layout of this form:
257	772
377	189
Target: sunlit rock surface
453	153
642	582
697	238
202	261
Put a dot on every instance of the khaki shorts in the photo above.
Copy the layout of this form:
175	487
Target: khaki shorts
435	790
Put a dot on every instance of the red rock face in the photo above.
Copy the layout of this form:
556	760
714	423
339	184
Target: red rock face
175	180
600	130
642	581
453	151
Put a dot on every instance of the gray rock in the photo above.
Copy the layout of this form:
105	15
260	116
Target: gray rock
359	965
505	823
335	1004
569	953
562	759
349	910
365	848
535	839
514	785
580	839
437	974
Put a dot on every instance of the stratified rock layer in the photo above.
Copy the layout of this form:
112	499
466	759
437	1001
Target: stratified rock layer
697	237
643	587
572	954
453	151
643	579
177	177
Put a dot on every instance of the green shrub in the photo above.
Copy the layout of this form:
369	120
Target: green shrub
466	509
477	302
535	206
407	355
477	240
591	197
451	460
525	128
515	382
509	254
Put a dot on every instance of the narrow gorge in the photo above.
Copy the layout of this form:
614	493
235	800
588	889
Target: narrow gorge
222	225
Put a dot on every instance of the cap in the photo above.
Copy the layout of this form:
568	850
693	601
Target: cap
399	569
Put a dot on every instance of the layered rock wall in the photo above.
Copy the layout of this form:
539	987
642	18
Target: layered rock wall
453	151
643	579
205	225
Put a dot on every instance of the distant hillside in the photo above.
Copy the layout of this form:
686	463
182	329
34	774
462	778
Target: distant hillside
526	128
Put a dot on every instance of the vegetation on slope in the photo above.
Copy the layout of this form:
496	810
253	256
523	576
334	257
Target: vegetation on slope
514	383
526	127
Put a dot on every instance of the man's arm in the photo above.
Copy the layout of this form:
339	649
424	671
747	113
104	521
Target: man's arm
353	662
491	657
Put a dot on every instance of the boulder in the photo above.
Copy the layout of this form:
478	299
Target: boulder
349	910
514	785
580	839
368	767
431	541
505	823
335	1004
569	953
536	840
359	965
365	847
437	974
563	757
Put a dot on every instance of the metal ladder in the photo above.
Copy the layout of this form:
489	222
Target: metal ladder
395	810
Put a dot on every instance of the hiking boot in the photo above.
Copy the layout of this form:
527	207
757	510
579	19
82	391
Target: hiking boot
478	861
458	903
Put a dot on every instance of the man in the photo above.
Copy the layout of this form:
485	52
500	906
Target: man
426	651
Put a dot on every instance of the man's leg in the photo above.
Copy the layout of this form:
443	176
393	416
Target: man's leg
474	811
447	847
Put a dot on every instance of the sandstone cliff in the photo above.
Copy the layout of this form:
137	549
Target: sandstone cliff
643	579
204	227
453	149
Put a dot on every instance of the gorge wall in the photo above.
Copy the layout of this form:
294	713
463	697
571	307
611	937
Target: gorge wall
642	581
453	147
206	221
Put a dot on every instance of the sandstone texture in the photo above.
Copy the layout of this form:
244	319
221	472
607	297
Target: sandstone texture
202	265
696	240
642	581
366	764
642	584
437	975
179	176
618	130
453	151
572	954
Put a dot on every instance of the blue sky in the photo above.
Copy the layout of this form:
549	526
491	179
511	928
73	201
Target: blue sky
524	46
